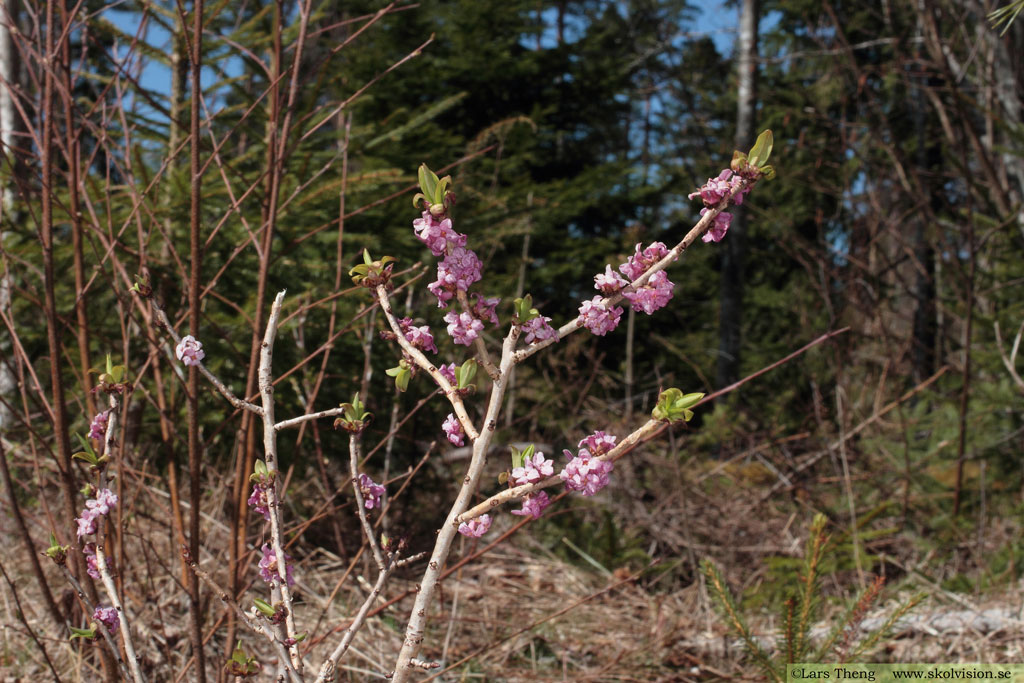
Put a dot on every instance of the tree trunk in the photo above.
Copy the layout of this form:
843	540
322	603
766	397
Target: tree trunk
734	247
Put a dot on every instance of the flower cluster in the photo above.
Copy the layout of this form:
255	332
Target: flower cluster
585	473
713	192
97	507
598	443
539	329
448	372
600	317
420	337
258	501
268	567
453	429
476	527
657	292
533	470
190	350
98	426
460	266
91	567
609	281
483	308
463	327
439	236
533	505
371	491
107	616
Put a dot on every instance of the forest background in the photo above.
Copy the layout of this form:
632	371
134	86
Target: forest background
572	131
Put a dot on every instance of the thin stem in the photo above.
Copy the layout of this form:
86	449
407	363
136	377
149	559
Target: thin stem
235	402
371	538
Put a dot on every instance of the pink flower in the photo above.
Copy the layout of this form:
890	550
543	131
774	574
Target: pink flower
533	505
107	616
87	523
437	235
533	470
716	189
609	281
538	330
268	567
483	308
463	327
585	473
598	443
189	350
420	337
98	427
104	502
718	228
258	500
476	527
459	269
91	568
371	491
640	261
653	295
453	429
448	372
599	317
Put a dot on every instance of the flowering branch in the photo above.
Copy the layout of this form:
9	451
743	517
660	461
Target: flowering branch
103	629
217	384
623	447
704	225
425	364
254	626
446	535
361	505
101	557
266	384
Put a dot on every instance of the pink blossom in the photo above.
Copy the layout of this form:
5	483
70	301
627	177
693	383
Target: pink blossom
104	502
268	567
258	500
463	327
453	429
599	317
87	522
420	337
641	260
533	469
459	269
718	228
653	295
483	308
371	491
609	281
448	372
107	616
598	443
476	527
190	350
91	568
585	473
437	235
538	330
534	505
98	427
716	189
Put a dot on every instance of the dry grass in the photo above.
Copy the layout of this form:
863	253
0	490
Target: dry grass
524	612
